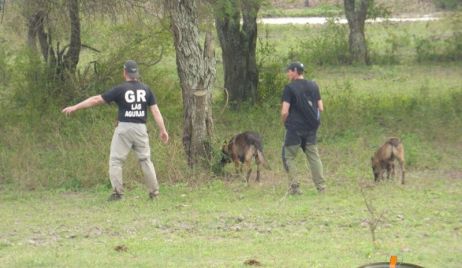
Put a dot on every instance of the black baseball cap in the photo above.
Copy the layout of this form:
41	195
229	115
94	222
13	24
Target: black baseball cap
296	66
132	68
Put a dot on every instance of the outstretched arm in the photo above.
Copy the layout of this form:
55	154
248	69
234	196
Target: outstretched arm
90	102
160	122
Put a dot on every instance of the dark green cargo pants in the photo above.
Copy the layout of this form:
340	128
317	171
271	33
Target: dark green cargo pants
289	153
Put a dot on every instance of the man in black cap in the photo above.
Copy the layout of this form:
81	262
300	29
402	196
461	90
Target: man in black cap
300	113
133	99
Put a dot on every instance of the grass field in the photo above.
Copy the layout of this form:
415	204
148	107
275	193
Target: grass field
225	224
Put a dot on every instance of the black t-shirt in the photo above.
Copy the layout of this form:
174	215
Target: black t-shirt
303	96
133	99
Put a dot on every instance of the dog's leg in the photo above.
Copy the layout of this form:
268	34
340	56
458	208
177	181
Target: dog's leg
390	169
248	157
248	167
401	165
393	173
258	162
237	167
248	175
398	152
258	173
382	172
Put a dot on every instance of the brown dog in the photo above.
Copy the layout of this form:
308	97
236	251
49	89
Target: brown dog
241	149
383	159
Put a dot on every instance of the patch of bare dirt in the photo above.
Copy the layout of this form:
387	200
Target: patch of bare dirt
121	248
252	262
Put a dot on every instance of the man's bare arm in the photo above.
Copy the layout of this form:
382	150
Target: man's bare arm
160	122
90	102
284	111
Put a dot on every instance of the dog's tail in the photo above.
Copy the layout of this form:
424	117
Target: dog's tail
262	160
398	153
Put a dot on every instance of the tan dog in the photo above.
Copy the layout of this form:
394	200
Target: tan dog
241	149
383	159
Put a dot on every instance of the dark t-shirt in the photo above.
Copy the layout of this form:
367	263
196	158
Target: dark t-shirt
133	99
303	96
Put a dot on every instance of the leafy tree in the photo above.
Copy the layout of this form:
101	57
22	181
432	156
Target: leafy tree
55	26
196	69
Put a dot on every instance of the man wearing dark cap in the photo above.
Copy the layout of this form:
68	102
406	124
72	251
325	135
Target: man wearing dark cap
300	113
133	99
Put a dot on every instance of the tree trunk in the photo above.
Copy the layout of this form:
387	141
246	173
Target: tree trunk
356	11
238	48
36	29
196	69
33	23
71	58
62	61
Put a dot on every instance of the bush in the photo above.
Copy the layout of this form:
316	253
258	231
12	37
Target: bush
389	49
271	71
448	4
445	46
272	81
328	47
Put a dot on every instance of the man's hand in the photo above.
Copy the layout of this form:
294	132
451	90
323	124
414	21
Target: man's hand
90	102
164	136
68	110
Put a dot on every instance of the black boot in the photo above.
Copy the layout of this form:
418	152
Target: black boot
294	189
153	195
115	196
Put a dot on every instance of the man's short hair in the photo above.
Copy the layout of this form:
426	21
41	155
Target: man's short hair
297	67
131	67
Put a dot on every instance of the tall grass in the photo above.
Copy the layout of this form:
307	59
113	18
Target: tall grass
47	149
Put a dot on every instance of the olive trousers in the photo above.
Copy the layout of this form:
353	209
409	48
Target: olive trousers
311	152
128	136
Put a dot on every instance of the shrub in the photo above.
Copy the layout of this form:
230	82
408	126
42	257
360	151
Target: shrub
447	4
328	47
445	46
389	49
271	71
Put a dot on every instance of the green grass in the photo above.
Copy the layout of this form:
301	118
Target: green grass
224	224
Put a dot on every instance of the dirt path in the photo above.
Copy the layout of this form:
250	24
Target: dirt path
323	20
